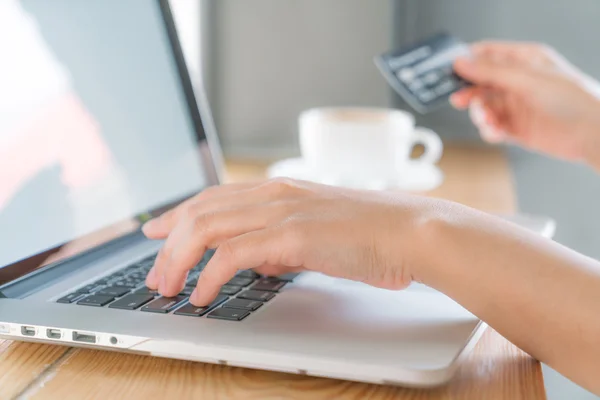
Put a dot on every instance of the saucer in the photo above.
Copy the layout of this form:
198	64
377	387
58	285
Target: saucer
412	177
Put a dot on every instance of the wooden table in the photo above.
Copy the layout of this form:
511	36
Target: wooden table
495	370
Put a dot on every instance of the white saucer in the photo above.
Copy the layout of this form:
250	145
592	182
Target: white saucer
415	178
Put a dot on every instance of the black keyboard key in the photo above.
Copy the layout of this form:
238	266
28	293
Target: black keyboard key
187	291
132	301
248	305
230	290
137	272
96	300
90	288
190	310
287	277
268	285
102	282
71	298
230	314
199	267
112	279
191	281
146	263
114	291
240	281
164	304
146	290
256	295
145	269
208	254
125	284
247	274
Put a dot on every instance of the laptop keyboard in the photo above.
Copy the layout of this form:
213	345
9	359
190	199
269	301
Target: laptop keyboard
126	290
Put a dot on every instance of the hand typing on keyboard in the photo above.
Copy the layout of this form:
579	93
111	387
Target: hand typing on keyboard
285	226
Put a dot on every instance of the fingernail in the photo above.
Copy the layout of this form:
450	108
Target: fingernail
162	285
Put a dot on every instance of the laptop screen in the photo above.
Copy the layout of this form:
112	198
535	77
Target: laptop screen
94	123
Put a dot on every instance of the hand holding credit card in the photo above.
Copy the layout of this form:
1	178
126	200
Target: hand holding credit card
423	73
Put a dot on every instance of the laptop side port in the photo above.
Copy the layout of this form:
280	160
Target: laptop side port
53	333
84	337
27	331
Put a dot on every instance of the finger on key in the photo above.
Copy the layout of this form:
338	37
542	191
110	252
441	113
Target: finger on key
248	251
155	279
191	238
199	228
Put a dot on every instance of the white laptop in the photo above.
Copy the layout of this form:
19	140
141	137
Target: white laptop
99	130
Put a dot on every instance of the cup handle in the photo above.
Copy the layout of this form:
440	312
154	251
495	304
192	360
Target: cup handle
432	143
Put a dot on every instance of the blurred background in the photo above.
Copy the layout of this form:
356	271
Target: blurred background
264	61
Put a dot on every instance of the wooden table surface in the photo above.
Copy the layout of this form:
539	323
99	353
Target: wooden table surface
495	370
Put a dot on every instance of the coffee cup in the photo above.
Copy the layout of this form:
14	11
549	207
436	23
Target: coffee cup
364	147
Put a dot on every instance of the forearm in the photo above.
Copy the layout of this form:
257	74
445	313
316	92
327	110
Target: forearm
540	295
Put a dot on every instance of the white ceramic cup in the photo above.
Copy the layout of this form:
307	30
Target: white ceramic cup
364	147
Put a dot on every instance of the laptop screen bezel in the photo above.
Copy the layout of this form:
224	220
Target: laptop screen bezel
207	146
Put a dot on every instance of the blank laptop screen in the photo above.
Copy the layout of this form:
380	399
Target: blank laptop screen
94	126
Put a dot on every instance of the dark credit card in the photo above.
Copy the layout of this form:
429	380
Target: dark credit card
422	73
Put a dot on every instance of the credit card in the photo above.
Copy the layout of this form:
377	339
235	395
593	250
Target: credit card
423	73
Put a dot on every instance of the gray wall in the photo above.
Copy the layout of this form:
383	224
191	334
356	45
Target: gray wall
275	58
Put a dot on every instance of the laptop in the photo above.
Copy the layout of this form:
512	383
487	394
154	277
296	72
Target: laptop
100	130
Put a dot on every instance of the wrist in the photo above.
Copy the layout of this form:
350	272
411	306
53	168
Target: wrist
427	239
447	241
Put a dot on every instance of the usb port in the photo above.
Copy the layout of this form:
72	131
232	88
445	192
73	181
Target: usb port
84	337
53	333
27	331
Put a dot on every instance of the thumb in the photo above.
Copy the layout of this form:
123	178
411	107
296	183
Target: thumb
485	73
